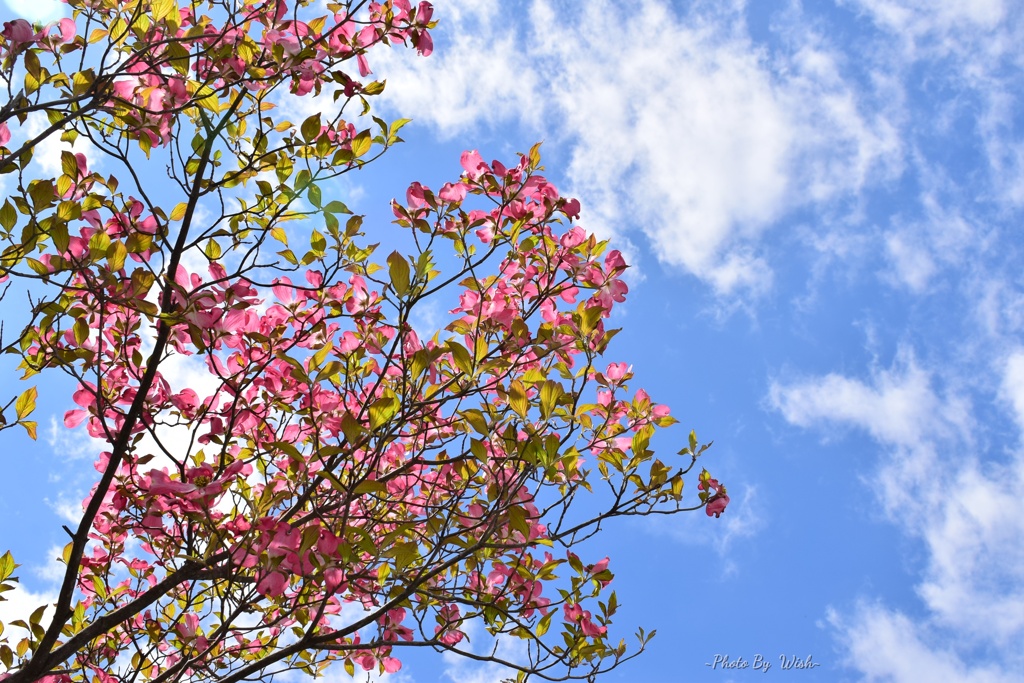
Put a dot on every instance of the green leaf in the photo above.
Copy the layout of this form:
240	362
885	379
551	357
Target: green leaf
398	268
589	318
178	212
351	428
476	420
550	392
68	210
517	398
98	245
544	623
336	207
69	163
116	255
310	128
7	565
212	250
317	242
81	331
463	361
32	63
397	126
26	403
382	410
38	267
321	355
42	194
361	144
313	194
8	216
164	8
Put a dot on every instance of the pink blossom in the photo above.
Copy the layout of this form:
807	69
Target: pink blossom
616	372
453	192
67	30
716	503
573	238
415	196
423	13
612	291
474	165
18	32
614	262
272	585
5	134
572	208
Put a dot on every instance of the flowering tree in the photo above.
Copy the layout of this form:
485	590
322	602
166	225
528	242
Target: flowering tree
340	485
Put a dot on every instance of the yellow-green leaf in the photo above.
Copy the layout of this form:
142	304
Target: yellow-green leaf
212	250
8	216
476	420
310	128
398	268
463	361
382	410
178	212
116	254
361	144
26	403
517	398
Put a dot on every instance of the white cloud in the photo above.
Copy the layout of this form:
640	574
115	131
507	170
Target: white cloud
899	407
479	73
46	154
974	49
913	265
946	22
20	603
677	124
36	10
966	507
744	518
887	646
942	239
1013	385
464	670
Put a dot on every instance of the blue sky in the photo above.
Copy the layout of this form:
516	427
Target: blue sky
822	203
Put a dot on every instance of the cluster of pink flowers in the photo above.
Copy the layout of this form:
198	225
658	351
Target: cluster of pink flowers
303	373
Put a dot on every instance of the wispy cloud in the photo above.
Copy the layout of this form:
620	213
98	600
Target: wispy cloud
964	505
743	519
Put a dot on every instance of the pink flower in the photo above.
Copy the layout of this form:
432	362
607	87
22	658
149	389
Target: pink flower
614	261
452	192
573	238
616	372
18	32
577	615
423	13
474	165
5	134
415	196
272	585
67	30
572	208
716	503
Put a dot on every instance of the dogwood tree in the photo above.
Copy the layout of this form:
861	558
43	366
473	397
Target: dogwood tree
341	485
